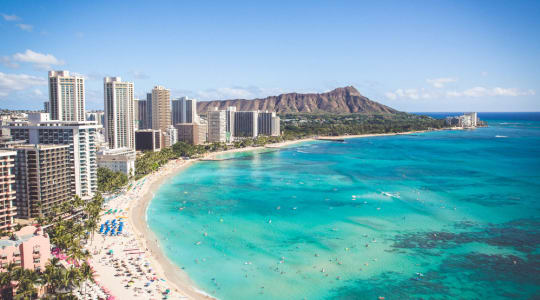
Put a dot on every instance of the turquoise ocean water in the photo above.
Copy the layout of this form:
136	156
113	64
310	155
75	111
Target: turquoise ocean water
439	215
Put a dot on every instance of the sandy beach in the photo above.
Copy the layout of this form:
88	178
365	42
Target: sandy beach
131	265
139	248
177	278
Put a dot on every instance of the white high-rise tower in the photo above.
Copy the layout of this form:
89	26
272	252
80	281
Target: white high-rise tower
119	114
66	96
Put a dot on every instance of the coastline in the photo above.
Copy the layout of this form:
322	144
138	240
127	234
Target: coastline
174	276
341	137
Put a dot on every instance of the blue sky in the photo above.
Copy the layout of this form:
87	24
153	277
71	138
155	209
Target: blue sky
411	55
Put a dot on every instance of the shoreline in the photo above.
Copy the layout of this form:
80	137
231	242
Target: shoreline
174	276
340	137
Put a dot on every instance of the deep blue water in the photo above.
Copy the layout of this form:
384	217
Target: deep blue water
439	215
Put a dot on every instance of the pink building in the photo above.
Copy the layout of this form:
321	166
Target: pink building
30	248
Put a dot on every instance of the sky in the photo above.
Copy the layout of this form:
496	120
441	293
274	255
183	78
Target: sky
417	56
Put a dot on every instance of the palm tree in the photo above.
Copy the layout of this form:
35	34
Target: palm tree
91	226
77	253
86	273
27	279
6	279
67	280
52	274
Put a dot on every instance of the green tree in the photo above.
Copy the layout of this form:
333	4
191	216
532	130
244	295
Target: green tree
110	181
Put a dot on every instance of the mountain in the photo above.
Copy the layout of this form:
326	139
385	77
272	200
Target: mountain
341	101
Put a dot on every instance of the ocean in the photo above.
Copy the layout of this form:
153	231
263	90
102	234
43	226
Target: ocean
437	215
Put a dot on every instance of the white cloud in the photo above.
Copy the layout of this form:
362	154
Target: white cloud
227	93
25	27
477	91
440	82
8	62
498	91
453	94
38	92
414	94
139	75
39	60
480	91
474	92
17	82
10	17
390	95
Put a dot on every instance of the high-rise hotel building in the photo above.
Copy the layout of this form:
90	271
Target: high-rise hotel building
66	96
81	137
246	124
7	189
184	110
148	121
119	114
161	108
217	126
141	113
43	179
268	123
231	110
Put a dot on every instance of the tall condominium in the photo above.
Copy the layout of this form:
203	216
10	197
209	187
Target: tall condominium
46	107
148	123
245	124
217	126
81	138
231	110
268	123
136	113
141	114
66	96
43	179
276	126
119	115
7	189
161	108
184	110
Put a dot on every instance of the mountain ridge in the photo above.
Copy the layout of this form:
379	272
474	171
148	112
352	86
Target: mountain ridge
343	100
